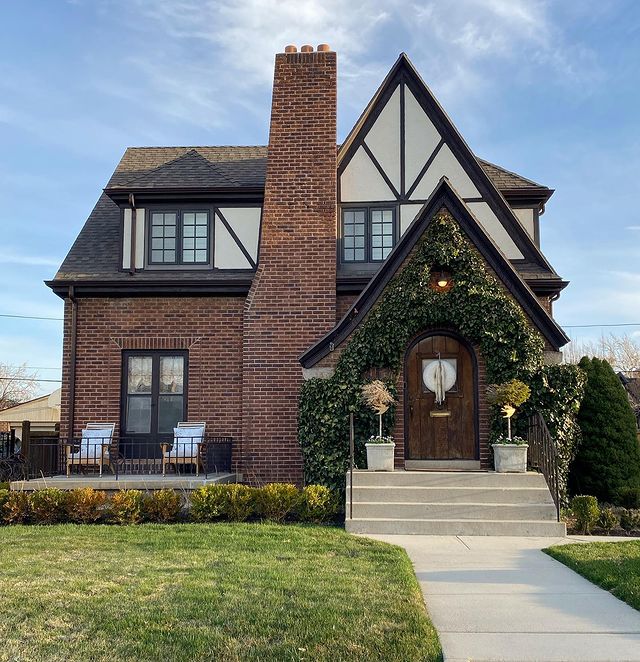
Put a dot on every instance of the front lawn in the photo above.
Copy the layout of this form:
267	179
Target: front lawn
615	566
207	592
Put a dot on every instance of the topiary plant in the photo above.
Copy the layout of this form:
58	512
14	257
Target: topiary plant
586	511
608	458
508	396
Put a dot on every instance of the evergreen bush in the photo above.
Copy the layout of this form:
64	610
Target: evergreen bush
17	508
48	506
608	457
126	507
86	505
586	511
162	506
277	501
318	504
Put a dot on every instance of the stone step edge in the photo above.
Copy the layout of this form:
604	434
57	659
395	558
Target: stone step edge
454	504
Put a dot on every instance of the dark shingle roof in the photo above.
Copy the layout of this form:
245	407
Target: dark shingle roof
95	254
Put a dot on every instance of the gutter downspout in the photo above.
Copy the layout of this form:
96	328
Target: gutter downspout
72	360
132	259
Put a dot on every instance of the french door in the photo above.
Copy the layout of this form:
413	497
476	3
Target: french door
154	400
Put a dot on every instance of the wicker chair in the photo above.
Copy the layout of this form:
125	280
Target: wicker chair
93	449
186	447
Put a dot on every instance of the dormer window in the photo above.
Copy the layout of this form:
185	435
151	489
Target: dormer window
368	234
179	237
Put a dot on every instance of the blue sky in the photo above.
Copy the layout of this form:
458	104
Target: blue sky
548	89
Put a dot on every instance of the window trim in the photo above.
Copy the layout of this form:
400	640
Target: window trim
367	208
179	211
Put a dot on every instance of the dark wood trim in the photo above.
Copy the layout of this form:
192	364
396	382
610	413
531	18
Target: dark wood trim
234	236
403	169
147	196
142	288
443	195
72	359
476	389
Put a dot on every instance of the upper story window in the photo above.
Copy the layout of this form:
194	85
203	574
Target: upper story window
368	234
180	237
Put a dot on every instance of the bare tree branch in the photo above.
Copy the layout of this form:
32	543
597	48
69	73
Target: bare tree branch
16	385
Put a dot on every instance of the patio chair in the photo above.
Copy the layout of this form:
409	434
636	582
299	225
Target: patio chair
188	439
93	449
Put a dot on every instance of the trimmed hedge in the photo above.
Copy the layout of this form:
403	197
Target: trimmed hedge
276	502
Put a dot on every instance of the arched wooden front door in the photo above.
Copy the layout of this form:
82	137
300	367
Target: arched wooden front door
445	431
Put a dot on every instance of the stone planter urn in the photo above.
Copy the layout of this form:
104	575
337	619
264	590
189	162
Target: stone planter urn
380	456
510	458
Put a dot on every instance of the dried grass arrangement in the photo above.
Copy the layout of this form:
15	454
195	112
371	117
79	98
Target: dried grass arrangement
377	397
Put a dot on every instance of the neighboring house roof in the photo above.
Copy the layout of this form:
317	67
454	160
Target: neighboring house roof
444	195
45	408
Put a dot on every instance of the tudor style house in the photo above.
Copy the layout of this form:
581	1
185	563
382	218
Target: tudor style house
209	282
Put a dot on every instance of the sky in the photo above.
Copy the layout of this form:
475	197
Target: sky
548	89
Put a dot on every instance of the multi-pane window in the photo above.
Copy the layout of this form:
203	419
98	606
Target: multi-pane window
180	237
368	234
353	235
381	233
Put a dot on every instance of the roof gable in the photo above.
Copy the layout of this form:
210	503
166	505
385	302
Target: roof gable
411	143
443	196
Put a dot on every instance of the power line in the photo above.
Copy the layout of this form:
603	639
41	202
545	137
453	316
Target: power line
32	317
32	367
10	379
597	326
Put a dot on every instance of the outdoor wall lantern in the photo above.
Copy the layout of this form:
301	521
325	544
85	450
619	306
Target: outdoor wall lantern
441	279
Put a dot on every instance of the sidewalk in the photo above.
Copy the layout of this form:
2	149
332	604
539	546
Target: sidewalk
501	598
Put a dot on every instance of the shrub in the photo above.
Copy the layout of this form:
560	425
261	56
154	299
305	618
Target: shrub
318	504
240	502
48	506
608	520
4	495
208	503
162	506
126	507
629	497
586	512
629	519
86	505
277	501
608	459
17	508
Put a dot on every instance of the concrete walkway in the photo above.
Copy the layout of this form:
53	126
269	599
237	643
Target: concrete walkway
501	598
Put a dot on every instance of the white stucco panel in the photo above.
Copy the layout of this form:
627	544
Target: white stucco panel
407	215
383	139
525	216
420	137
495	229
361	181
140	238
226	253
445	164
126	240
245	222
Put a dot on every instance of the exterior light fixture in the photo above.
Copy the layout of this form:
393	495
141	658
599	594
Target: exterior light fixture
440	280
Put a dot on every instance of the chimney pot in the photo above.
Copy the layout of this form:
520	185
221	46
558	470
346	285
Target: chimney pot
306	49
323	48
290	49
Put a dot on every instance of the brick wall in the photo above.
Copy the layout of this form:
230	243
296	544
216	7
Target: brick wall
210	329
292	301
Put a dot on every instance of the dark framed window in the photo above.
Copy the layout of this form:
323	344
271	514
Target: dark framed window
154	390
180	237
368	234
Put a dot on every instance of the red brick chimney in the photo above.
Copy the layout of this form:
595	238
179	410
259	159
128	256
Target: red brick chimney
292	301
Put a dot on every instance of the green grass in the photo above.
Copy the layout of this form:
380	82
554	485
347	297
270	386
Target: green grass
207	592
615	566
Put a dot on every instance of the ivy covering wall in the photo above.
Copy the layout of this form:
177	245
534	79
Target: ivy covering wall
477	307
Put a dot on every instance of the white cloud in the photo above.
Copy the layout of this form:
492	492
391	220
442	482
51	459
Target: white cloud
31	260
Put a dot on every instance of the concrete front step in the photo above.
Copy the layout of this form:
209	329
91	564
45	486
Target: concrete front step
477	494
454	511
453	527
445	479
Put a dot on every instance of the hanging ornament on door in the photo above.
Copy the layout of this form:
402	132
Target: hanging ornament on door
439	377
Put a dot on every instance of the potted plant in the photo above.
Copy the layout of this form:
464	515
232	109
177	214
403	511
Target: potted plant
509	452
380	449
